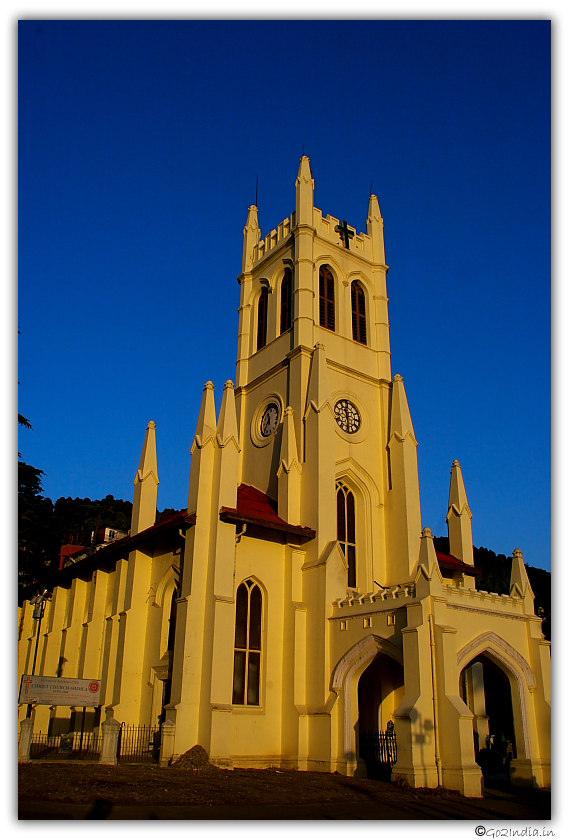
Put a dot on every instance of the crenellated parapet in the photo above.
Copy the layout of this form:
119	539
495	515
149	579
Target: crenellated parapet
274	239
383	598
480	600
326	227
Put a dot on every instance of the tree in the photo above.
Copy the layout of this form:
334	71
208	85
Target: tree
76	515
38	547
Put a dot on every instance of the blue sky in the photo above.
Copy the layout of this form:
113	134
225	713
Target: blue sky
139	147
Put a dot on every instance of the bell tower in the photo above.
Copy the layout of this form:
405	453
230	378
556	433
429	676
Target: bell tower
314	385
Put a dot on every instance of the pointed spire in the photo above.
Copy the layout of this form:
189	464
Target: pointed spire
203	448
400	417
403	509
305	193
146	484
148	462
289	473
459	518
228	449
227	423
428	557
520	585
251	236
457	493
319	393
375	230
206	427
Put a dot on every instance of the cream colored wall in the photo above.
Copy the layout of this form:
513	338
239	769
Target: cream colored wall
83	635
259	463
256	731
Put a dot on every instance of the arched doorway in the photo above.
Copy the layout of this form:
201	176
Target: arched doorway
380	690
486	689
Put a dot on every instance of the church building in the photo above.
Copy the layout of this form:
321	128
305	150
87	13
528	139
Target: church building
297	609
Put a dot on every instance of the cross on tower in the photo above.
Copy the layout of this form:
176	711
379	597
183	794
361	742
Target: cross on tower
345	234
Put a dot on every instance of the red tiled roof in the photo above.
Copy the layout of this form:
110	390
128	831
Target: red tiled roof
448	561
255	508
110	553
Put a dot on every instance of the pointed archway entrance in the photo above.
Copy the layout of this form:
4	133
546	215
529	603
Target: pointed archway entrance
486	689
377	703
379	688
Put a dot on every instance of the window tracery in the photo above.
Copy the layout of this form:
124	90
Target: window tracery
247	645
262	318
326	298
358	300
346	528
286	300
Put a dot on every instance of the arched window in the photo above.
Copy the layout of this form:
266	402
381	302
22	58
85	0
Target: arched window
326	298
346	528
286	300
247	646
172	621
358	312
262	318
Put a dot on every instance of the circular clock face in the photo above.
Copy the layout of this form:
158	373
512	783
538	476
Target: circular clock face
270	420
347	416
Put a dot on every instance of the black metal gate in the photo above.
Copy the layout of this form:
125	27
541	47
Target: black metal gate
71	746
380	752
138	744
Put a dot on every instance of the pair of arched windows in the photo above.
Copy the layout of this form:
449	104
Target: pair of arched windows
247	645
327	311
286	307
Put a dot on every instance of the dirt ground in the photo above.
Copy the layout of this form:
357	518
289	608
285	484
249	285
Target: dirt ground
144	785
136	784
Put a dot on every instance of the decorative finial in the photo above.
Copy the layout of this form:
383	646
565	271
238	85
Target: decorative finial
209	385
151	425
427	532
229	384
398	378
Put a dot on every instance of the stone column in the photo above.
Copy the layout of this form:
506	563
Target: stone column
26	732
167	732
110	729
481	718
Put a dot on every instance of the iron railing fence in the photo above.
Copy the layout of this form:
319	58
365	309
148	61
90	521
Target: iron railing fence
73	746
138	744
379	747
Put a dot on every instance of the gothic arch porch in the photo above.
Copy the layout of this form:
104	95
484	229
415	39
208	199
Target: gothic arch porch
486	689
481	664
375	705
380	688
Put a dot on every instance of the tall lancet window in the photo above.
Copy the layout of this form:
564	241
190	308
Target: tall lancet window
346	528
286	301
247	646
326	298
358	312
262	318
